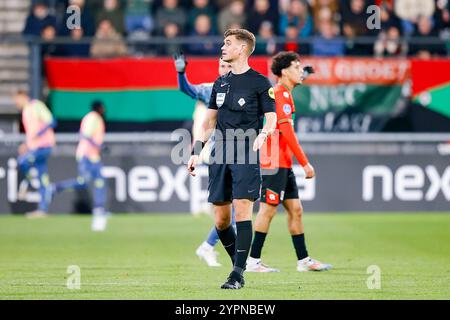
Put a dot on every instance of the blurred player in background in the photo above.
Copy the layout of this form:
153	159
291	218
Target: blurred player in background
38	123
201	93
88	154
278	179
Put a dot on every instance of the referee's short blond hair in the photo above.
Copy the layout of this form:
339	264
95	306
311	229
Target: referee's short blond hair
243	35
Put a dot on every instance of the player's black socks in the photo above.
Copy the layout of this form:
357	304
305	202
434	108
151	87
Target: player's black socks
228	239
299	245
257	244
243	243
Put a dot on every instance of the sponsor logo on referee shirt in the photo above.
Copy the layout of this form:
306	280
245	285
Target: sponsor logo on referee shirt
220	99
271	93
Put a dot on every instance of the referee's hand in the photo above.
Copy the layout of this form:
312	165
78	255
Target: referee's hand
259	141
191	165
309	171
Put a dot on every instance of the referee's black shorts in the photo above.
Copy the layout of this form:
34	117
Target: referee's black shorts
233	181
279	186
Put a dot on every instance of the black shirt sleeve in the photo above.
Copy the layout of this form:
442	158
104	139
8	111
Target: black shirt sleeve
212	100
266	95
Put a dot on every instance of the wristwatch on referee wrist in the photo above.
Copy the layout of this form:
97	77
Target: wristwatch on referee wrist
265	133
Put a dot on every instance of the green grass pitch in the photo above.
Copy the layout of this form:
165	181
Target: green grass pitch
152	257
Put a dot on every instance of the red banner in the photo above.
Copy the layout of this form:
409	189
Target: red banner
131	73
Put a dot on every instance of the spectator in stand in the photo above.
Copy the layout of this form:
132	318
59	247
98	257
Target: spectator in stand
87	21
202	7
108	43
114	13
171	31
265	41
236	25
170	13
297	14
442	17
221	4
389	18
389	3
292	41
260	13
184	4
138	16
323	14
232	15
425	50
354	24
389	43
317	7
326	43
48	48
410	10
38	19
203	29
76	47
95	6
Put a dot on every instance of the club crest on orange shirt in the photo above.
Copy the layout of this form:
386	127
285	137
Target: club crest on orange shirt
287	108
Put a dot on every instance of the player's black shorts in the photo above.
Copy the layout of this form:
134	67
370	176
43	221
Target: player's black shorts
233	181
279	186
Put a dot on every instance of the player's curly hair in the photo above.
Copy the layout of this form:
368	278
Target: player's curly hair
283	60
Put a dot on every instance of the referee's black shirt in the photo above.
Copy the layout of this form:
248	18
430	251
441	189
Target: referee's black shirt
241	101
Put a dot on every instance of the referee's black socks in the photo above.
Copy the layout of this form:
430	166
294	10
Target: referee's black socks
243	243
228	239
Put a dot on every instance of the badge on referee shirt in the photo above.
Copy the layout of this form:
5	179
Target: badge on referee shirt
220	99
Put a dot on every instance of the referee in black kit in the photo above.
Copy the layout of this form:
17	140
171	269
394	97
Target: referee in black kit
240	101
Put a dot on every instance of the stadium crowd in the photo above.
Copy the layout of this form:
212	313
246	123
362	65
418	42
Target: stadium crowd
332	26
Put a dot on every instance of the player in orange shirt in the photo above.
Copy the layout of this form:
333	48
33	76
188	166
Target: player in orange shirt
278	179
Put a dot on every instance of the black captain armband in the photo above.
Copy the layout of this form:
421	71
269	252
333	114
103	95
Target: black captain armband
197	148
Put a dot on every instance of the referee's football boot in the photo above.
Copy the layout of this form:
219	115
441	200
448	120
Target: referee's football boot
234	282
